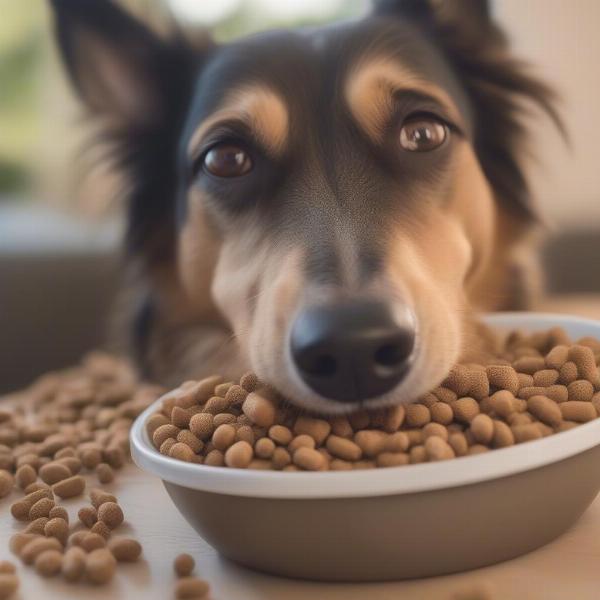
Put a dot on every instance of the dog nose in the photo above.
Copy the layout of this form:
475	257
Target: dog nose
354	351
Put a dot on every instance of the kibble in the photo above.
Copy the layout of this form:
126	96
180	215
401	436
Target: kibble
183	565
73	564
9	584
111	514
100	566
125	549
191	588
49	563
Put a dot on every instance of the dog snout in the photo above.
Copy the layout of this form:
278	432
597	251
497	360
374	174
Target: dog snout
354	351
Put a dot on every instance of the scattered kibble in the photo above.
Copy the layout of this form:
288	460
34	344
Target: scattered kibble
184	565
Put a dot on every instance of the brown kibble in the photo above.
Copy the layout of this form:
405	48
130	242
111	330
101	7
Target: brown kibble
568	373
37	526
223	437
180	417
503	377
545	377
578	411
557	357
7	568
104	473
583	357
301	441
25	476
259	409
88	516
57	528
91	458
215	458
99	497
458	443
503	435
41	508
54	472
191	588
49	563
183	565
343	448
239	455
264	448
465	409
59	512
154	422
558	393
371	441
397	442
441	412
125	549
102	529
308	459
318	429
434	429
7	482
581	390
236	395
165	447
9	584
73	564
545	410
185	436
417	415
111	514
181	451
69	488
164	432
529	364
19	540
482	428
92	541
525	433
201	425
215	405
392	459
36	546
281	435
72	463
100	566
249	382
281	458
437	449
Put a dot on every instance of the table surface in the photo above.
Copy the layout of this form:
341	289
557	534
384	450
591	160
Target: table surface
564	569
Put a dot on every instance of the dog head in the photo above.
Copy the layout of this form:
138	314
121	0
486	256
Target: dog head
333	194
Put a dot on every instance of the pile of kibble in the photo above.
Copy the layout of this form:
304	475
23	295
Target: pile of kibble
537	385
67	430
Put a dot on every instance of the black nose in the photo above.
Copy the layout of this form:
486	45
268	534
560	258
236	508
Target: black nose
354	351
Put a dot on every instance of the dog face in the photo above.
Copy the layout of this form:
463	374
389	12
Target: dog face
328	200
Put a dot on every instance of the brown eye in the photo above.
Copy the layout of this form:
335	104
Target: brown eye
423	134
227	160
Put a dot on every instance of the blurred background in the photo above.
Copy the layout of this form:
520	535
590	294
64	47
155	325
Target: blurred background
60	220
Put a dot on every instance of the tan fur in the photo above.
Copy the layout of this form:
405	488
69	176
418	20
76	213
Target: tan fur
370	88
257	106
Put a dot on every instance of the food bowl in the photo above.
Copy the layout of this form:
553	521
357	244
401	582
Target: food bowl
394	523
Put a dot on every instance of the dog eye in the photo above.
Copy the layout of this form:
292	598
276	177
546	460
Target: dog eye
227	160
423	134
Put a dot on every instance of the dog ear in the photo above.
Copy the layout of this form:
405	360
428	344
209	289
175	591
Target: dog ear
117	65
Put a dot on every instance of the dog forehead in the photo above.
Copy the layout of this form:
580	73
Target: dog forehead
309	67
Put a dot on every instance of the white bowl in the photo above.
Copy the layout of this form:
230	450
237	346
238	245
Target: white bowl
393	523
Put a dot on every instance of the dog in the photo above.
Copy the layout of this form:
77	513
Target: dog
331	207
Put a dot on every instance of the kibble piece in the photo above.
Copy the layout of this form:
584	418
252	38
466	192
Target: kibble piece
343	448
239	455
529	364
201	425
259	409
7	568
185	436
7	482
164	432
49	563
88	516
437	449
19	540
503	377
91	458
525	433
417	415
165	447
545	410
397	442
441	412
578	411
37	526
73	564
191	588
264	448
59	512
105	473
281	435
477	449
458	443
568	373
503	435
125	549
184	565
9	584
57	528
69	488
223	437
181	451
36	546
25	476
545	377
76	539
154	422
249	382
558	393
92	541
308	459
392	459
99	497
101	528
100	566
111	514
581	390
180	417
54	472
557	357
281	458
465	409
337	464
41	508
526	392
236	395
318	429
583	357
72	463
301	441
215	458
371	441
482	428
434	429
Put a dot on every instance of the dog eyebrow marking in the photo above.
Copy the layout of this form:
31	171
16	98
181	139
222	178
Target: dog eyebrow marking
372	85
259	108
